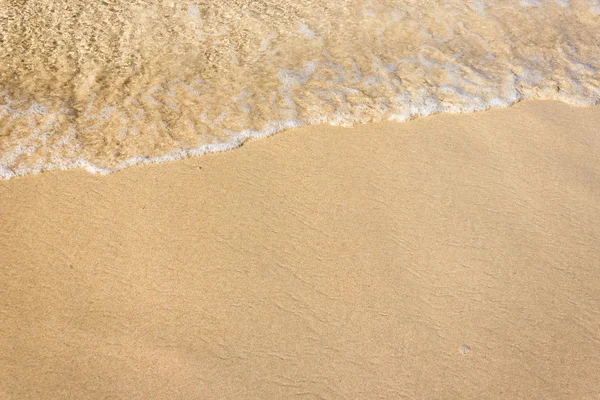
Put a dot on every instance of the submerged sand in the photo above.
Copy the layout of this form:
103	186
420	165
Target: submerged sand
451	257
109	84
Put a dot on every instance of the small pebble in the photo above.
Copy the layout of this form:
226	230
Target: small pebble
465	348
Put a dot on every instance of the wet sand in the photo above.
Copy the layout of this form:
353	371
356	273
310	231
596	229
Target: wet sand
452	257
109	84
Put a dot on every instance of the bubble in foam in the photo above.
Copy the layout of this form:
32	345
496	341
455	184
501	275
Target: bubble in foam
305	30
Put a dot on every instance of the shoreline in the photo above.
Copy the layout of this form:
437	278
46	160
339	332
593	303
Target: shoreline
240	139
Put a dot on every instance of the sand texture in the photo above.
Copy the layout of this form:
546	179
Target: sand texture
451	257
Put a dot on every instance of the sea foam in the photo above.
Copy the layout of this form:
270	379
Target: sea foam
103	86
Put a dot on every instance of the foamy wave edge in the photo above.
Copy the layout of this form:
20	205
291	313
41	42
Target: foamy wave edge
273	127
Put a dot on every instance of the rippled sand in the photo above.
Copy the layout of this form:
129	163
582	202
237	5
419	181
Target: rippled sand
108	84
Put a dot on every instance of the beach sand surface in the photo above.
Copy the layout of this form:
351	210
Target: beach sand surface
450	257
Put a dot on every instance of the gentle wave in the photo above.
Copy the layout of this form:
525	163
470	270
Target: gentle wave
106	85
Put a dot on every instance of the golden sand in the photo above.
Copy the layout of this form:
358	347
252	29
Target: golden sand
451	257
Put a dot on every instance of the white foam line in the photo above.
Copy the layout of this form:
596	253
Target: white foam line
273	127
238	140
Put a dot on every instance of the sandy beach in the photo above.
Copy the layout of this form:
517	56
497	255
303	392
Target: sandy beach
450	257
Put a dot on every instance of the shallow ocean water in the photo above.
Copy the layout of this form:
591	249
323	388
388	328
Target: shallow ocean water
104	85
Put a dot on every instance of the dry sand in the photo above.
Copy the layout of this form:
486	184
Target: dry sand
452	257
